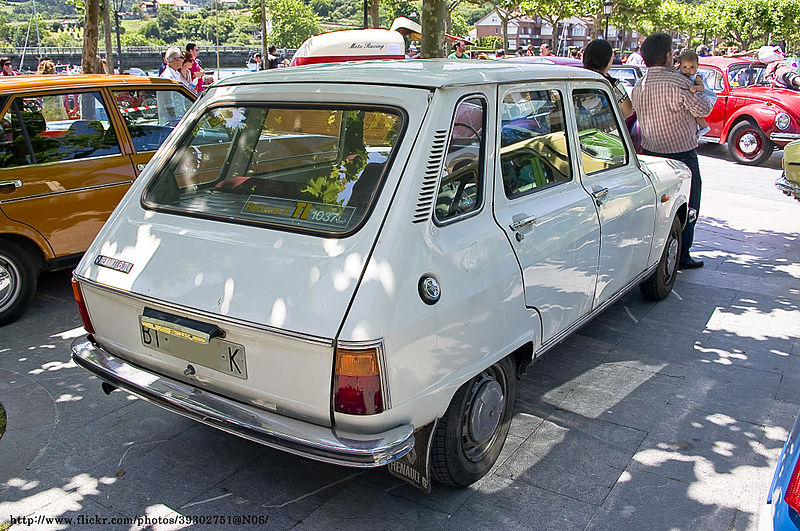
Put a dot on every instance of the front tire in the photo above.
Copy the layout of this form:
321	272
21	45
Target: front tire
471	434
747	144
658	285
18	275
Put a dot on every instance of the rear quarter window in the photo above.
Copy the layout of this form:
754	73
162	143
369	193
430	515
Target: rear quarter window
316	169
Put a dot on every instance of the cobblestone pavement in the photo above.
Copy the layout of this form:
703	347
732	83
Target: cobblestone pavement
654	416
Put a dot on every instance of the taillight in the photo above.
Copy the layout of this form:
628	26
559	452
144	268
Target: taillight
792	494
357	381
76	290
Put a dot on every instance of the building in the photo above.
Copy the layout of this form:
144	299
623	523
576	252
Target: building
573	32
150	7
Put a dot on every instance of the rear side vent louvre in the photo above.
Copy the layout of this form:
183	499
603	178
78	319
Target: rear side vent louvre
428	190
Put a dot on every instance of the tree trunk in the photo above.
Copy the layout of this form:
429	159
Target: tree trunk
263	20
90	37
374	13
107	27
505	33
433	17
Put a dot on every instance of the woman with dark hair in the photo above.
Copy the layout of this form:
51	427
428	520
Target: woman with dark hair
598	57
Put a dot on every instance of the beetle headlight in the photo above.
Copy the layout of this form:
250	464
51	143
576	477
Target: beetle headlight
782	121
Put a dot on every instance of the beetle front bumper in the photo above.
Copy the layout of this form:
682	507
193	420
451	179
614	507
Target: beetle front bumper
291	435
783	138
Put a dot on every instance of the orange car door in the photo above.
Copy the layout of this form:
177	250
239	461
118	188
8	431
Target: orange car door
63	152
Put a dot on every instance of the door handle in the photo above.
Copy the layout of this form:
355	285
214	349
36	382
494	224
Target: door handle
10	186
140	166
515	226
599	195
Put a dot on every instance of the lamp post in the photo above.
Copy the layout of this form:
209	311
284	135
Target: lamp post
117	7
608	7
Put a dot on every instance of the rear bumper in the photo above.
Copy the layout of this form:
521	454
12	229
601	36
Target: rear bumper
291	435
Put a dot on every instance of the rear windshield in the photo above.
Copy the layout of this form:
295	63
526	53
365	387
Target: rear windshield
314	169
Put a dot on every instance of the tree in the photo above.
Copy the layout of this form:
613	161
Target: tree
434	14
507	10
167	23
89	62
292	21
552	12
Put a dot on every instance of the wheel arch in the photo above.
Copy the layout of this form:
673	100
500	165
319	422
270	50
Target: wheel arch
31	247
757	114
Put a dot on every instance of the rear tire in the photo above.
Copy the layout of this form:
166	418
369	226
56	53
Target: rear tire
18	276
747	144
658	285
471	434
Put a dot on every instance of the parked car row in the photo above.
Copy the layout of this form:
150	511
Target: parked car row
70	146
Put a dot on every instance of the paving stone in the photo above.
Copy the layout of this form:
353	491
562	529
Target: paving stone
507	504
361	508
691	444
643	500
216	509
574	456
742	393
18	448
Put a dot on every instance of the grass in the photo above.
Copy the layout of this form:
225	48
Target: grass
4	526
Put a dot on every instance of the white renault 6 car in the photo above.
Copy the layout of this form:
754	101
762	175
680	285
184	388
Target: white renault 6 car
350	262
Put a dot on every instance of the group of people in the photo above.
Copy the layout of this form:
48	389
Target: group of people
183	66
273	59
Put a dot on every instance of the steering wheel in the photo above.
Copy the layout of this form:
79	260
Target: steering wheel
462	124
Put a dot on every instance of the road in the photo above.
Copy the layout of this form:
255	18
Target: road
654	416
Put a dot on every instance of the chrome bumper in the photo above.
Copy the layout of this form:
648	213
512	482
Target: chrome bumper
283	433
788	187
784	137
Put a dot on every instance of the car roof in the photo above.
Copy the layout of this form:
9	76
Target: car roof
723	62
423	73
16	83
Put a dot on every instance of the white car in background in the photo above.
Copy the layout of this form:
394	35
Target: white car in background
348	262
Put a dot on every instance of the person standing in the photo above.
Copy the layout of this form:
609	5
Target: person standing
459	51
635	58
8	70
163	64
272	57
544	49
666	109
197	71
598	57
257	60
173	61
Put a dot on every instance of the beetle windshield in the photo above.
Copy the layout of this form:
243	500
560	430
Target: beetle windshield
746	75
313	169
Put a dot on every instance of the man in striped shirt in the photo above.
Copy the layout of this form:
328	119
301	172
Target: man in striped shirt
666	110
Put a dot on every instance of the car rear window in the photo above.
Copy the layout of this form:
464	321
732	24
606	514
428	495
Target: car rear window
315	169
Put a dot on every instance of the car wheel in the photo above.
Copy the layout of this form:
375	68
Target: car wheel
748	144
471	434
659	284
17	281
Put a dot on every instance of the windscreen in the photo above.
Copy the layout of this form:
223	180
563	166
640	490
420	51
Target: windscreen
315	169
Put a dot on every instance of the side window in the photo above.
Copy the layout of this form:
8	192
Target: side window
56	128
461	182
533	142
599	133
151	114
712	79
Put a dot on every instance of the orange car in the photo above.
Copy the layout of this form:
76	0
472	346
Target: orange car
70	146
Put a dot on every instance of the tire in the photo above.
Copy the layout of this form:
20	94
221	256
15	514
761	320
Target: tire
748	144
471	434
658	285
18	275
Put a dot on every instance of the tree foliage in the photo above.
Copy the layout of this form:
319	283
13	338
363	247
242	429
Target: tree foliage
292	22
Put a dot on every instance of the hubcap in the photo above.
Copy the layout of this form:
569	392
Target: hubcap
483	414
749	142
672	258
486	412
9	283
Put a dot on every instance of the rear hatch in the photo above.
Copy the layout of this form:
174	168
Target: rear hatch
233	260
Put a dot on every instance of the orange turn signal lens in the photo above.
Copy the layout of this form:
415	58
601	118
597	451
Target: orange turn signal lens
357	382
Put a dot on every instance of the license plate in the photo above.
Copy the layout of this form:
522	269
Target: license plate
218	354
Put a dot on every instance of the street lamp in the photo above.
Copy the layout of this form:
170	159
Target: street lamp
608	7
117	7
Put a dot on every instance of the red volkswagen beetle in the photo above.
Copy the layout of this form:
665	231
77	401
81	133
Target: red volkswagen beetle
750	115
